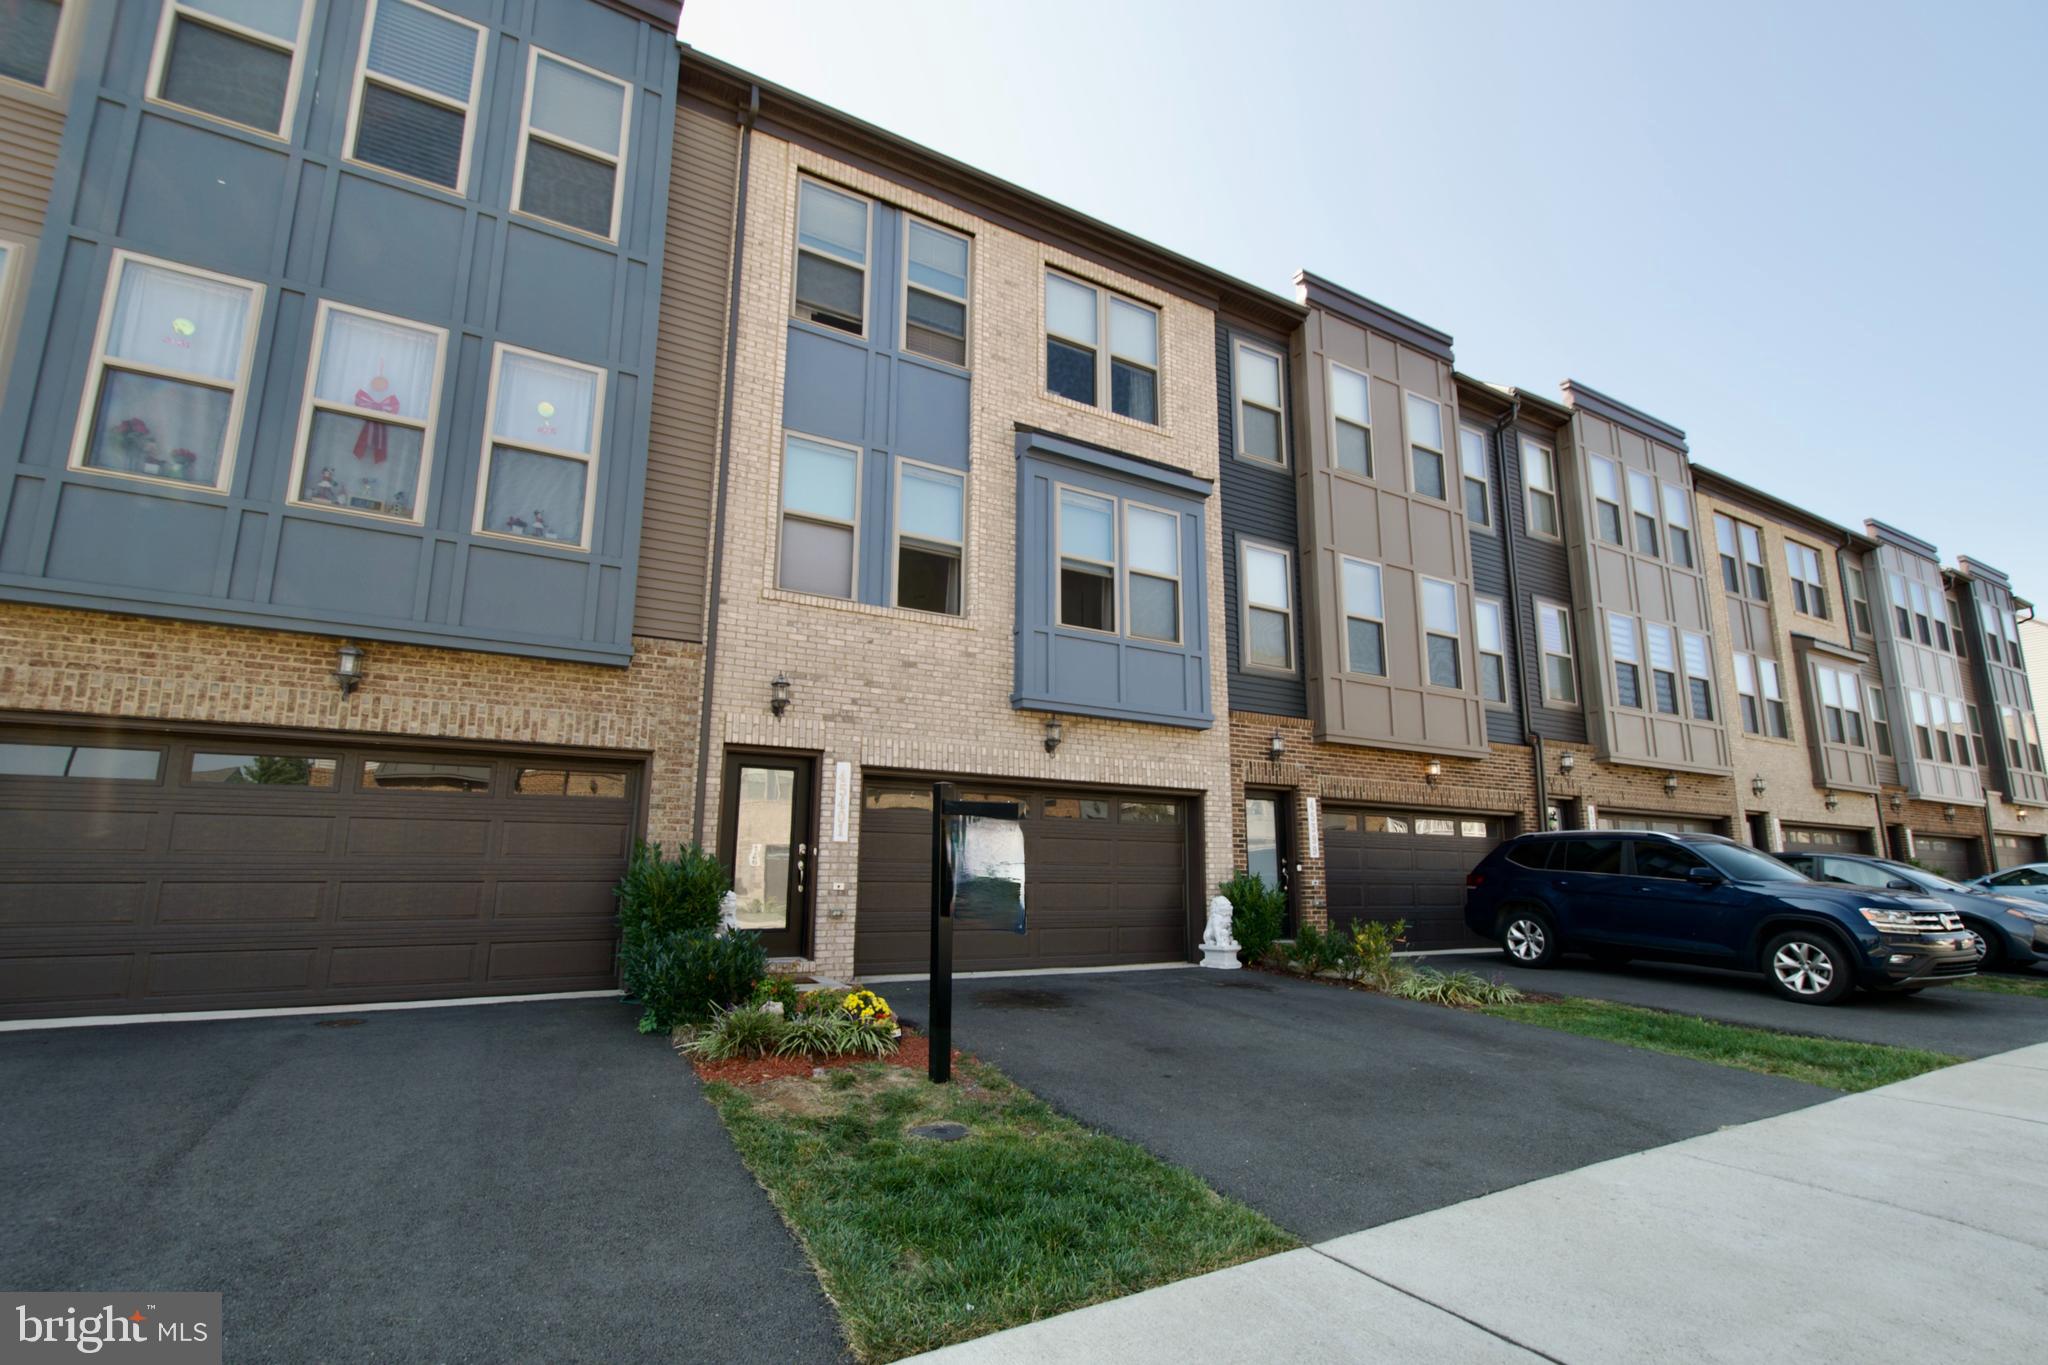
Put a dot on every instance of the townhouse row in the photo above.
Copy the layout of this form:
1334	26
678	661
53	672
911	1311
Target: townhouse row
446	442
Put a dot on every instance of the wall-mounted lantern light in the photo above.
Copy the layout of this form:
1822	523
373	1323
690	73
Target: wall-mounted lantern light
778	695
1671	784
1566	761
1898	803
1756	785
1274	748
1432	770
1052	733
1830	801
348	669
1948	813
2021	812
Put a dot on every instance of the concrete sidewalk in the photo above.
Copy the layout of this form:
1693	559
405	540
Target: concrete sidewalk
1904	1224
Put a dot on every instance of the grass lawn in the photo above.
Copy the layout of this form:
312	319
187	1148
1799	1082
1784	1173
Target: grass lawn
2036	986
1830	1062
924	1243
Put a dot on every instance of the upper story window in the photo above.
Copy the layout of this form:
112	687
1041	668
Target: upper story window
1809	584
1628	669
1606	477
572	145
236	60
2033	729
1077	316
820	517
1923	732
1152	582
1955	627
935	292
1762	698
1663	643
1841	705
1087	546
1977	734
1859	598
1560	669
1699	676
1351	420
1539	481
1426	446
541	439
1741	548
28	39
1478	483
2012	637
169	375
1440	633
416	89
1880	723
1488	622
1678	524
366	428
1365	618
1642	502
931	537
1266	576
1987	617
1261	428
831	258
1092	554
1923	610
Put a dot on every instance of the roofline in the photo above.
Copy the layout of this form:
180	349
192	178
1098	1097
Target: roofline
783	112
1315	291
1778	504
1905	540
1976	568
666	15
1579	394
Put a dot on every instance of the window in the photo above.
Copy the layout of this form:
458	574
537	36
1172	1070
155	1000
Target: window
1678	523
80	761
831	258
1955	628
1365	619
1664	862
426	775
572	145
416	86
1957	723
1076	317
1901	606
1440	632
2032	726
935	292
605	785
1699	676
1923	733
1087	544
931	536
1663	647
1859	598
1755	580
1724	542
1762	700
1923	610
1841	706
1590	855
236	60
366	427
1261	430
169	374
1148	813
1488	621
1809	591
1560	669
1262	840
1266	576
261	770
1426	447
2012	636
1777	721
1977	733
1472	460
1987	616
1880	724
1539	480
1948	613
1351	420
1642	501
2012	735
1153	583
541	439
820	517
28	39
1628	672
1606	499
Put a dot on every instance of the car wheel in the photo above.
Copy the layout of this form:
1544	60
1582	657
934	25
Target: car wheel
1528	939
1994	949
1808	967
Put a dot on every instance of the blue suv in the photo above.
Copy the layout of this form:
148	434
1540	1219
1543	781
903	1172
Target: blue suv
1704	899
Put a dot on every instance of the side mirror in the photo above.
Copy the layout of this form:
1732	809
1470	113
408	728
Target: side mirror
1896	885
1702	875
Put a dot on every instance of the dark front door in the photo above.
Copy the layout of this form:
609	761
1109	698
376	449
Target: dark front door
1269	844
768	838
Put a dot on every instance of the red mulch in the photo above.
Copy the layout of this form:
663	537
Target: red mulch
912	1051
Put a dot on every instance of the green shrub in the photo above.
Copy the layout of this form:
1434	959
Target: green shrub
682	976
1257	914
1366	951
835	1033
743	1031
662	895
1314	951
820	1002
779	989
1462	989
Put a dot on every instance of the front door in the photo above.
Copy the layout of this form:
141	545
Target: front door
1269	846
768	838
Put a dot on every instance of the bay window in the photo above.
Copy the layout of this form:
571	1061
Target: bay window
1365	618
1152	581
234	60
1642	501
1606	477
820	517
572	145
416	91
1628	672
1426	447
1351	420
541	440
1441	634
1678	523
1699	676
1663	647
1087	549
366	425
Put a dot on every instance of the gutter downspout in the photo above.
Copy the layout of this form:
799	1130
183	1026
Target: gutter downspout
746	117
1523	673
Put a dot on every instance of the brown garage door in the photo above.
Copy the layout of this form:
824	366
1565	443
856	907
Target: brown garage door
1945	853
1408	865
1825	839
148	870
2014	849
1105	881
1662	824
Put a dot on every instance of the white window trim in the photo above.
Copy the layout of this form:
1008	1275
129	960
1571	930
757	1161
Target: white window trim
1443	419
1486	527
1372	455
1795	551
57	76
99	364
897	536
1102	350
1630	478
1113	563
1457	637
1569	654
468	109
1480	653
783	515
160	56
1666	493
903	303
797	250
1637	647
1531	490
1681	702
1237	351
1177	578
13	259
1245	605
1380	572
527	132
1770	682
491	441
1689	677
310	403
1743	561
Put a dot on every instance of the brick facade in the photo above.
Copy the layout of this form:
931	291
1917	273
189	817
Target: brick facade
1593	787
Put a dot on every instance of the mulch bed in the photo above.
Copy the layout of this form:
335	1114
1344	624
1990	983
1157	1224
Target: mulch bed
913	1051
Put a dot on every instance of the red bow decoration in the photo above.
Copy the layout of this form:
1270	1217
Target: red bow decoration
373	440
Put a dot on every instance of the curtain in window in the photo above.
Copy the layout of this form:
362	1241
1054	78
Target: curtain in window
544	404
533	495
179	322
422	48
931	506
576	105
372	364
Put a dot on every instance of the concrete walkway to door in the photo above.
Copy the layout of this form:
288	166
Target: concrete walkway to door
1903	1224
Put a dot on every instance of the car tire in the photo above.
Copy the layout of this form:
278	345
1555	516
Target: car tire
1528	938
1994	949
1808	967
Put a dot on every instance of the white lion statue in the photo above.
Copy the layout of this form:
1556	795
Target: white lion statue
729	914
1218	934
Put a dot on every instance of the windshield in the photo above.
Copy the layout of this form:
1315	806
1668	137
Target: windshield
1746	864
1927	881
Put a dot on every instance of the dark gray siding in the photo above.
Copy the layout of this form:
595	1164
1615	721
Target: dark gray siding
1258	504
1544	571
1490	580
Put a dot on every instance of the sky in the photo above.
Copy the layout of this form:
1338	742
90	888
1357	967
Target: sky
1812	235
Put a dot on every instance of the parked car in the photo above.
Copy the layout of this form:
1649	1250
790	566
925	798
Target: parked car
2015	931
1709	900
2028	879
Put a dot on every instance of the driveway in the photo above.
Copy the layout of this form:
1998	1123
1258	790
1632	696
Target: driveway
1965	1023
1331	1110
490	1183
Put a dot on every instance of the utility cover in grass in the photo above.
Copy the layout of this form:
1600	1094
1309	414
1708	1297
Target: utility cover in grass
939	1132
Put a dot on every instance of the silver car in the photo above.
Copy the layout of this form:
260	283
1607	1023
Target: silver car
2028	879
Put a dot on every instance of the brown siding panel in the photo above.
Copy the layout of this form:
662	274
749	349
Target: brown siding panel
29	134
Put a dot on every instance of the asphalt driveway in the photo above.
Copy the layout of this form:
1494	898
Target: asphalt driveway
492	1183
1332	1110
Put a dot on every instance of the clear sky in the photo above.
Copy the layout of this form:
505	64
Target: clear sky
1814	236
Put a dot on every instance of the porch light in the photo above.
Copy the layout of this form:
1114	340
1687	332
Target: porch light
1671	784
1948	813
1898	803
2021	812
1566	761
348	668
1052	733
1432	770
1829	801
1274	748
778	695
1756	785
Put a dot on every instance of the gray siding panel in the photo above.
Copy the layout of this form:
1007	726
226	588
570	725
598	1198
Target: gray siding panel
1545	572
1490	580
1258	504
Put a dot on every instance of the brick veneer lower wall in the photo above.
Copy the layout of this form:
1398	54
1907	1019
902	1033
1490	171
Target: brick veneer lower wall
56	660
1619	787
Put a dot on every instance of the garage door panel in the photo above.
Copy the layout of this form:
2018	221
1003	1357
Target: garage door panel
208	832
221	972
408	964
41	904
1951	857
37	978
594	900
564	839
240	902
372	836
589	960
1405	865
59	831
381	902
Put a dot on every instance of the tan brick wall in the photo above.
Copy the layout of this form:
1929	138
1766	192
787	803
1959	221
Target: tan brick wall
885	688
1926	817
1617	787
58	660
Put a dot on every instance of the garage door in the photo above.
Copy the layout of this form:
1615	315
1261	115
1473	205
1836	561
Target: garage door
144	871
1824	839
1944	853
1409	865
1105	881
2014	849
1661	824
